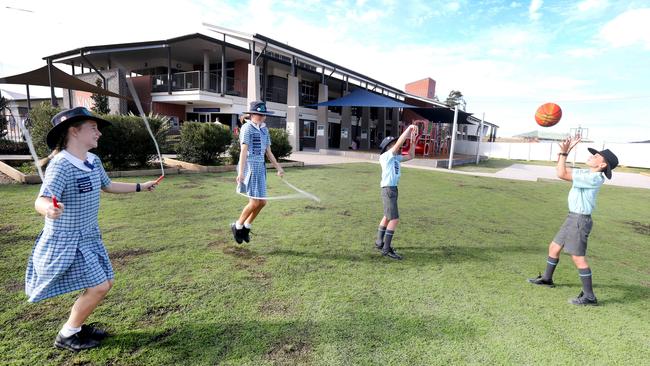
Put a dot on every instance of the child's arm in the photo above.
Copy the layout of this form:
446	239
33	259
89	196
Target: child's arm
565	147
119	187
277	166
402	139
45	207
414	135
243	155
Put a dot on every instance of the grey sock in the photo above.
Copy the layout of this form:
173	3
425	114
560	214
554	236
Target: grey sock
388	238
551	263
585	277
380	235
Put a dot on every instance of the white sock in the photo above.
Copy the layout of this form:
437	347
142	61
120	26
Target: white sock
247	225
68	331
238	226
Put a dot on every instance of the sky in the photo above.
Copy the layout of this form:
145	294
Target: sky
507	57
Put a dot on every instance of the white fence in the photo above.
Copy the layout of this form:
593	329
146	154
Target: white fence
637	155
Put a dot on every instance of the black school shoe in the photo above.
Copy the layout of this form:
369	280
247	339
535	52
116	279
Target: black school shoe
541	282
92	332
236	233
390	253
245	234
583	300
75	343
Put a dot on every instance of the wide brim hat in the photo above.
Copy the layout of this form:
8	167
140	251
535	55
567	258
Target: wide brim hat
386	142
64	119
610	158
259	107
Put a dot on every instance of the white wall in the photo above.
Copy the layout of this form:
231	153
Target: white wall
637	155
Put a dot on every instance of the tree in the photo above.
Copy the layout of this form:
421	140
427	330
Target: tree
456	98
101	101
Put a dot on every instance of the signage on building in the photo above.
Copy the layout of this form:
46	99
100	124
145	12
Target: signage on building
200	110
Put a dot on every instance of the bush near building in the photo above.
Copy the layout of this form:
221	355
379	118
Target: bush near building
203	143
280	146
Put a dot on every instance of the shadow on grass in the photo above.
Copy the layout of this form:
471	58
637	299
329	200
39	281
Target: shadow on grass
418	255
282	341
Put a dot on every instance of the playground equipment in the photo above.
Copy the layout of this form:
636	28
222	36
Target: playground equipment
431	140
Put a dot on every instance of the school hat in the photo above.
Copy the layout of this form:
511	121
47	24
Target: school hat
610	158
259	107
64	119
384	144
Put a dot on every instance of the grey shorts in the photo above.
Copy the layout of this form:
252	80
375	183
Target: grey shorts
389	198
574	233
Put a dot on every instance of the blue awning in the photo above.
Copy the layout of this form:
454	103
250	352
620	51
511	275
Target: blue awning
363	98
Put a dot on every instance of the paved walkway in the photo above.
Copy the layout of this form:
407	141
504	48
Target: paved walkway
516	171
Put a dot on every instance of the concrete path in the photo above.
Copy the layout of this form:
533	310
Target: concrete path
516	171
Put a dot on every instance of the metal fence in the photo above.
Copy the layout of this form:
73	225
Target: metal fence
197	80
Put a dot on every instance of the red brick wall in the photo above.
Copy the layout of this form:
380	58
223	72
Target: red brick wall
168	109
142	85
422	88
241	77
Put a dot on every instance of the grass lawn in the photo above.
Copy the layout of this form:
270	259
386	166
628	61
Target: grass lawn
493	165
311	289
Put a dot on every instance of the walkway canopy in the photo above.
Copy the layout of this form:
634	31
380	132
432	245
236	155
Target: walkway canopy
60	79
365	98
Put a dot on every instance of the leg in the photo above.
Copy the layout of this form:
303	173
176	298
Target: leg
259	205
381	232
388	239
87	302
584	272
554	250
248	209
546	279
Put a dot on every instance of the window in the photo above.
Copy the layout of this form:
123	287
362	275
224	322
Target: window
309	129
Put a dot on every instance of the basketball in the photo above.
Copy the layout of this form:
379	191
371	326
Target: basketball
548	114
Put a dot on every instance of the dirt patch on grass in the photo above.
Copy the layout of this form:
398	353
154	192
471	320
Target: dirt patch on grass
639	227
290	352
15	286
162	336
120	258
156	312
5	229
315	208
345	213
274	307
200	196
190	185
493	230
239	252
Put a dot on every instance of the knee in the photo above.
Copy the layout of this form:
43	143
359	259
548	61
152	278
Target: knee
101	289
261	203
579	261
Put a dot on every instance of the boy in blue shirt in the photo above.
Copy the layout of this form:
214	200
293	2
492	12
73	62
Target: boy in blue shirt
576	228
390	158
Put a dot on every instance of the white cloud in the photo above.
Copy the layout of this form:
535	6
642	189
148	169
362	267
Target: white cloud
533	9
453	6
628	29
515	4
589	52
590	5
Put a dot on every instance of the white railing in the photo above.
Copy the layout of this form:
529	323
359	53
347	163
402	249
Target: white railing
636	155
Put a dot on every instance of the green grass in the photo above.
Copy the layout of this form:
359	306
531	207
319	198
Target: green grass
493	165
311	289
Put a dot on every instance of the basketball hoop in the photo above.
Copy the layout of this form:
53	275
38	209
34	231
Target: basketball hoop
579	132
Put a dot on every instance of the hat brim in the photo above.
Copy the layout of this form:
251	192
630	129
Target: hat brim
608	170
55	133
388	145
267	113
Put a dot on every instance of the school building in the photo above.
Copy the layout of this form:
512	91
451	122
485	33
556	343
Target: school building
211	77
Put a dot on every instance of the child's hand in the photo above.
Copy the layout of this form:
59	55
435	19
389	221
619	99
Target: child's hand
414	132
280	172
149	186
568	144
240	178
54	212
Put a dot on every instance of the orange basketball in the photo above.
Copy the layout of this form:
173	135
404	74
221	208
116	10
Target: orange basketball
548	114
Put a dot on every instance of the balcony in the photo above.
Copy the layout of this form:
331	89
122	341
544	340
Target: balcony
197	80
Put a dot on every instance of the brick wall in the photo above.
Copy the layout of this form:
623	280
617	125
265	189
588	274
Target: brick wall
116	84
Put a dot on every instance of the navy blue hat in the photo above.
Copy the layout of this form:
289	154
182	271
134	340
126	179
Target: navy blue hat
384	144
259	107
62	120
610	158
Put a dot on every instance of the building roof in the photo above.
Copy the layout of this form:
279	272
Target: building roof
544	135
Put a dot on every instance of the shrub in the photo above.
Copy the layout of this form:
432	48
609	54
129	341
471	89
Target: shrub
126	143
40	124
8	147
280	146
203	143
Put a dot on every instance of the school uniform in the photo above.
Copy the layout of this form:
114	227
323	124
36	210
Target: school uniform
258	139
575	231
69	254
390	175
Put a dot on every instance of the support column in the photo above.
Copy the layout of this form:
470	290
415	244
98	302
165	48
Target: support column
394	128
206	70
453	138
346	125
322	124
365	127
381	124
253	83
293	120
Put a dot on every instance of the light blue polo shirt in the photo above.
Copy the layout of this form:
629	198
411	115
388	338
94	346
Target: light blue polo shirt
390	169
582	197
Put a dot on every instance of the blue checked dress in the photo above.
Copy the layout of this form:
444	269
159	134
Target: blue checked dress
69	254
258	140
